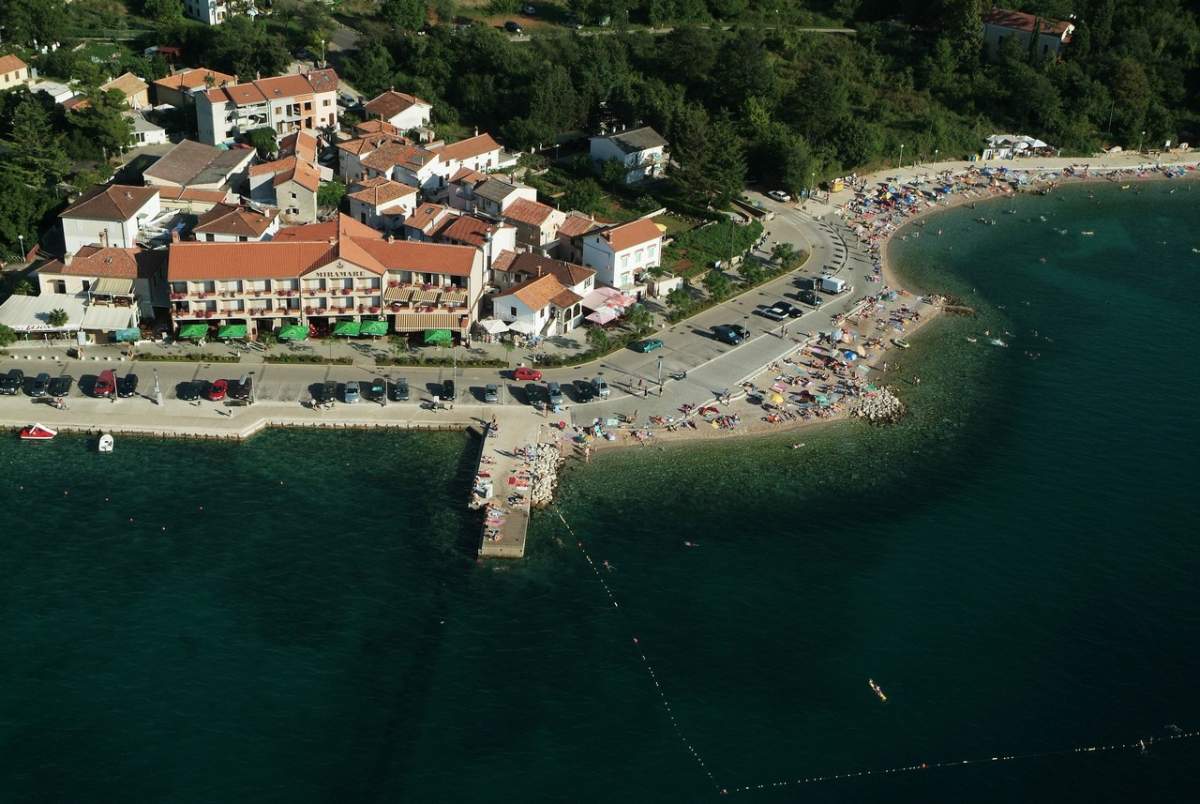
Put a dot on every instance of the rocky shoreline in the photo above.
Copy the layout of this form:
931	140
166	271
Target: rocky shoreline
879	407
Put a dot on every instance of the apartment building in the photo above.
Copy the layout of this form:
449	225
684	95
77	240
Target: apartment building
285	103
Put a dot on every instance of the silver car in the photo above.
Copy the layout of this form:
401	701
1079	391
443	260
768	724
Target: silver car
352	393
600	387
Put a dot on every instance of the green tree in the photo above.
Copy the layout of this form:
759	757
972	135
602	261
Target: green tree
33	22
102	122
717	284
23	287
408	15
163	12
371	68
57	317
679	299
263	140
639	320
22	209
597	339
708	162
786	255
331	193
245	47
34	150
7	335
584	195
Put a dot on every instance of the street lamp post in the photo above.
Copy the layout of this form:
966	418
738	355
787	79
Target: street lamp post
22	239
158	397
660	371
900	161
1140	138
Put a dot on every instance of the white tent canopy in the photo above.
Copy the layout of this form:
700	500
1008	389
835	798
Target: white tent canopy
493	326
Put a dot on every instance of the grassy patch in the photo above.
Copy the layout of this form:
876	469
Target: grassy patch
697	249
306	359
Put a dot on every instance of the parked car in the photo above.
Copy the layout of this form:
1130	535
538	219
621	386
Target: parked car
377	390
447	394
584	391
127	385
773	313
240	389
600	387
806	283
648	345
10	383
218	390
810	297
528	10
554	394
106	384
491	392
40	385
513	27
398	390
326	393
189	391
526	374
780	196
732	334
351	392
787	308
61	385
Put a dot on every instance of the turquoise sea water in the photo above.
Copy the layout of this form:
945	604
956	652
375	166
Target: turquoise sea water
1012	564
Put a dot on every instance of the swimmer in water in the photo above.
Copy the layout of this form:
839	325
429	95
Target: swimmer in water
690	544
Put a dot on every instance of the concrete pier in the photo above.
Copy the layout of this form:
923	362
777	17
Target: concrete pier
508	470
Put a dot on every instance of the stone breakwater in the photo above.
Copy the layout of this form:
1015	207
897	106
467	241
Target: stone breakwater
543	474
880	407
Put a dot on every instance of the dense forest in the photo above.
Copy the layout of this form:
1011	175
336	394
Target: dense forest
737	87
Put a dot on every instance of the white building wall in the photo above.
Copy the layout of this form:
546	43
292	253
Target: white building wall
79	232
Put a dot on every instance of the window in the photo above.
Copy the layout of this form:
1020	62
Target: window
514	310
87	285
325	102
308	106
624	260
241	238
650	252
637	256
210	237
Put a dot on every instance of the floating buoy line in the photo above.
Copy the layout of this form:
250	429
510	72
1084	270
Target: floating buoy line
662	693
1141	745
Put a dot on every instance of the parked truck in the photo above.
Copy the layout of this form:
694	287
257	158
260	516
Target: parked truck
832	284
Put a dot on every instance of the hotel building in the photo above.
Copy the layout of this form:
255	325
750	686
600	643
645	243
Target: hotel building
323	274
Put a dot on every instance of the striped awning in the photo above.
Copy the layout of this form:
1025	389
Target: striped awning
426	295
113	286
397	295
454	297
418	322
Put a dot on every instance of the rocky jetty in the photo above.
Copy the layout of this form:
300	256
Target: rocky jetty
880	406
543	473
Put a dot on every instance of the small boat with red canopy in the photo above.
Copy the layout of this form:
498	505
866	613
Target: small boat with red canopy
37	432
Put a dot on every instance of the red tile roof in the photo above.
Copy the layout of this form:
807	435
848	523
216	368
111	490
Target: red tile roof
10	63
391	103
381	191
120	263
504	260
466	229
194	78
390	154
116	202
465	149
540	291
277	88
525	211
127	84
375	127
301	145
234	220
1020	21
272	259
577	224
290	169
634	233
426	216
567	273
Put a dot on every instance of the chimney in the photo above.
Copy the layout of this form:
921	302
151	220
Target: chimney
68	259
174	235
476	131
104	238
391	238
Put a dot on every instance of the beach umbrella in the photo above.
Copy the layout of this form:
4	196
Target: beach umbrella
777	399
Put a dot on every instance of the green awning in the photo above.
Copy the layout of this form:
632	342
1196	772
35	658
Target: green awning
373	328
349	328
127	335
293	332
232	331
439	336
193	332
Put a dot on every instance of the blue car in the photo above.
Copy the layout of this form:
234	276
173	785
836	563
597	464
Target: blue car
648	345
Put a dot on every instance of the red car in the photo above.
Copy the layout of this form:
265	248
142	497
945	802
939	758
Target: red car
106	384
526	374
218	389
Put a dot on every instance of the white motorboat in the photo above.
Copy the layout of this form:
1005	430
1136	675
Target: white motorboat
105	444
